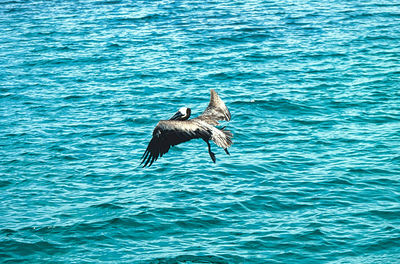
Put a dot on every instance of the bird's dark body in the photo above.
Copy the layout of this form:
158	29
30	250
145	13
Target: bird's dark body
179	129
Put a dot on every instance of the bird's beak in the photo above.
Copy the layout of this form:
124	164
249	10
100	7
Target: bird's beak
176	116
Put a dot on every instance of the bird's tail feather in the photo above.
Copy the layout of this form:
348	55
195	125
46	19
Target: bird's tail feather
222	137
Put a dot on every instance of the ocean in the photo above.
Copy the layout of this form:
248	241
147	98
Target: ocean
314	92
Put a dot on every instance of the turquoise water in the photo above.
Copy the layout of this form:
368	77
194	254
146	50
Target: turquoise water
314	92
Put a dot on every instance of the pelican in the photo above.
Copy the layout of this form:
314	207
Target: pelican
179	129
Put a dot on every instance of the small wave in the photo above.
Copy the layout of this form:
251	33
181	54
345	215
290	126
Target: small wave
114	45
339	181
107	2
199	222
313	121
196	259
388	214
137	120
4	183
375	171
15	10
19	249
286	105
110	206
74	97
145	18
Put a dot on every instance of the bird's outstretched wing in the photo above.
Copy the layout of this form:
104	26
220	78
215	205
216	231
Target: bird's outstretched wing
169	133
215	111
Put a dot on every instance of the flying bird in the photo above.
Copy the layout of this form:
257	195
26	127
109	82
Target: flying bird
179	129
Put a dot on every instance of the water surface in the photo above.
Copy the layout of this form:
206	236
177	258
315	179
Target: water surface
314	92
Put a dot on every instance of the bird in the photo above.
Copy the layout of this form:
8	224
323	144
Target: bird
179	128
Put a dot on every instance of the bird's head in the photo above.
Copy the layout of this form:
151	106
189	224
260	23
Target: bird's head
182	114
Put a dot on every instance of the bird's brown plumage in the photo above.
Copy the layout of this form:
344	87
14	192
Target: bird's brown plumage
169	133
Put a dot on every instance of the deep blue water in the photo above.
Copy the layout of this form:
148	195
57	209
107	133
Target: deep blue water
314	92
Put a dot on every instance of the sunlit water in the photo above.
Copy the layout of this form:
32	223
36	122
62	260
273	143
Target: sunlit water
314	92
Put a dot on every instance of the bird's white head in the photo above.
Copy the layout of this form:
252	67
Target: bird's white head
182	114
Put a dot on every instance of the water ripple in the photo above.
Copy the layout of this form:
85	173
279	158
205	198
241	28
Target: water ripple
313	88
